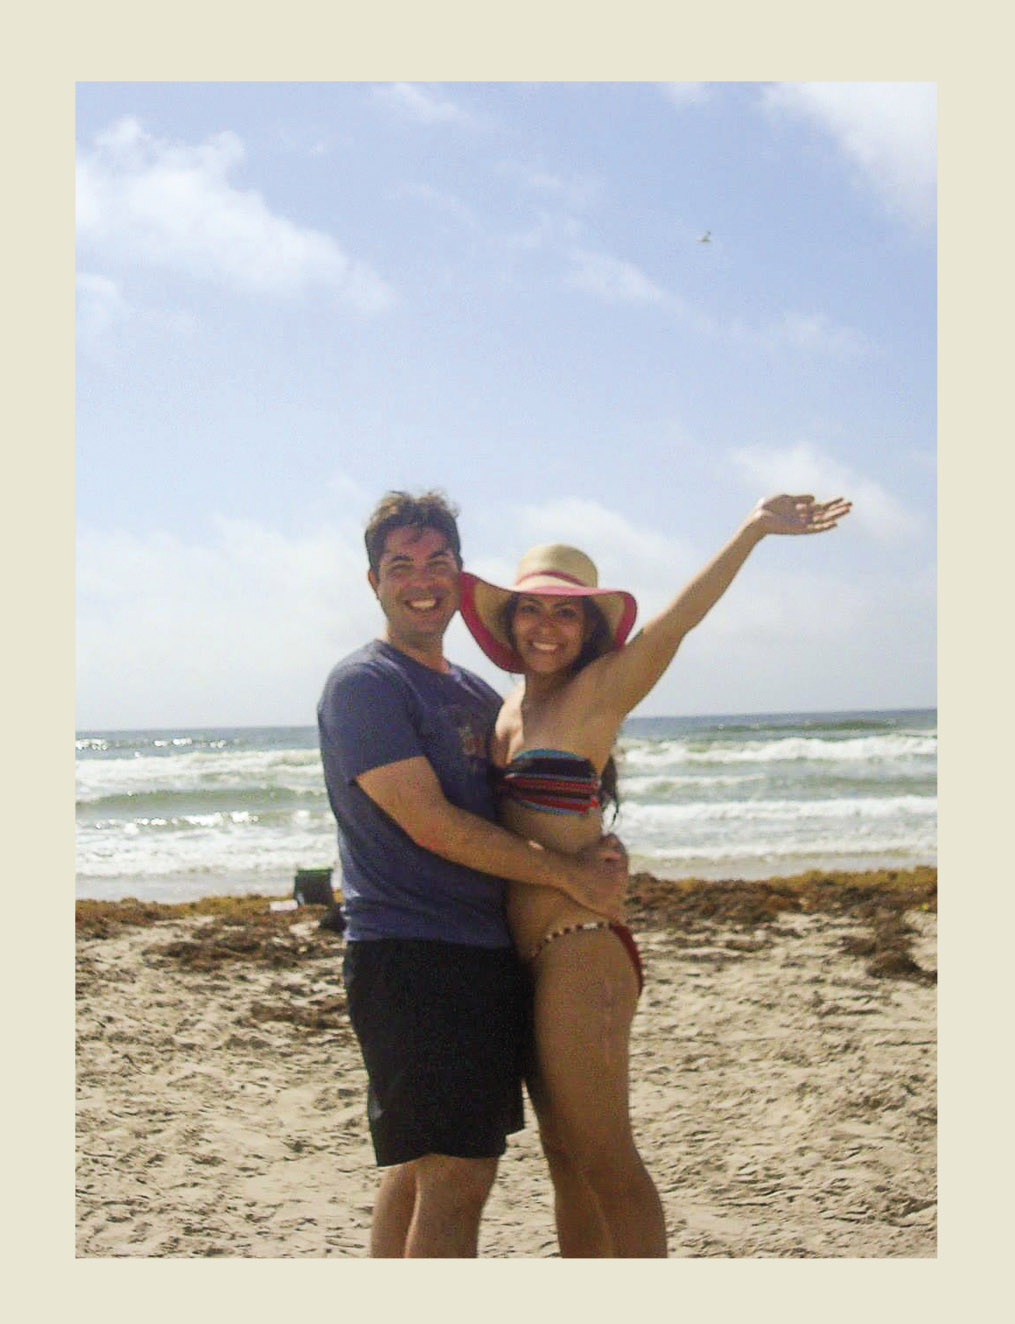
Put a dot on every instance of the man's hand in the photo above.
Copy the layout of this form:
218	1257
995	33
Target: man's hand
602	876
409	792
610	847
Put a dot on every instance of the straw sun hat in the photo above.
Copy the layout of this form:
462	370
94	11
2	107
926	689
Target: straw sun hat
550	571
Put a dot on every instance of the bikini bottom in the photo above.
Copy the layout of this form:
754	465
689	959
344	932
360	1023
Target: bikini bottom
621	930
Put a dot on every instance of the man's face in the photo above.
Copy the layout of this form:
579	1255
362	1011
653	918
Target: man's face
417	587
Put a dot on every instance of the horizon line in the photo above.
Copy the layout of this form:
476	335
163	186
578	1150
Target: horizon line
646	717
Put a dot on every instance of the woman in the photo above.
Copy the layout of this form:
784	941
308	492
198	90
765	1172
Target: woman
552	749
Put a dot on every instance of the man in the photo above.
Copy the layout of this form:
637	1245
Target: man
435	992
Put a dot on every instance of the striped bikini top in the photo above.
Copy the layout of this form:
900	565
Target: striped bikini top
551	780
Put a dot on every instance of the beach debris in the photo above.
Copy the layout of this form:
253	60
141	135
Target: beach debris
243	928
694	907
887	944
320	1014
312	887
333	919
281	945
104	919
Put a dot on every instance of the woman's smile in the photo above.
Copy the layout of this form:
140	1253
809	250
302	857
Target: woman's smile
548	630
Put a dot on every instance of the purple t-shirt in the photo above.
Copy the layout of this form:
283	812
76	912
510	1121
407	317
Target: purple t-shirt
380	706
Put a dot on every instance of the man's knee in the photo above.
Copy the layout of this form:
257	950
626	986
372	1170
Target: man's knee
398	1185
463	1182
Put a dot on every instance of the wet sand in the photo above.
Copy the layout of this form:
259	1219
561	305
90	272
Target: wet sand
783	1078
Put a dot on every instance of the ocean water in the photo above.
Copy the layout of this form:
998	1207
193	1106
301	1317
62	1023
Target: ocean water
176	815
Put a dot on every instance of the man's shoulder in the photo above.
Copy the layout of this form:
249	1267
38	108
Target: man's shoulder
377	663
368	658
362	669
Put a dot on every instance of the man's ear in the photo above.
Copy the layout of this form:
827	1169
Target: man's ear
373	581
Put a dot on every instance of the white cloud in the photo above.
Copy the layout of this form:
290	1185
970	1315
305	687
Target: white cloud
308	141
174	206
348	495
99	308
625	554
440	201
419	102
803	468
615	280
240	628
648	564
686	94
808	332
887	130
575	191
654	565
611	278
786	635
549	231
795	638
618	546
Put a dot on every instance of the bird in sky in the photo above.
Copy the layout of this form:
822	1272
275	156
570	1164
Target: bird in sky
706	238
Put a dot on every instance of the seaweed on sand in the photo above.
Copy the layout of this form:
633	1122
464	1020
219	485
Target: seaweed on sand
244	928
879	898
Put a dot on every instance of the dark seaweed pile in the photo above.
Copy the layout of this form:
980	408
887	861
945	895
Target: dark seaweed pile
880	900
243	928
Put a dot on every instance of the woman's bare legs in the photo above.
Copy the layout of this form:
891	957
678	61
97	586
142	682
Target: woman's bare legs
581	1229
585	997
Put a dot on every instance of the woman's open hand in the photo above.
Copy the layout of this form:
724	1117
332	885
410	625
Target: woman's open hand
798	514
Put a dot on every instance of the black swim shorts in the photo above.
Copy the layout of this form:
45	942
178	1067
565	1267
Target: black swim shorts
441	1027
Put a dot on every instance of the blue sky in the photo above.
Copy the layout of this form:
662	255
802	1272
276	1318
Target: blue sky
292	297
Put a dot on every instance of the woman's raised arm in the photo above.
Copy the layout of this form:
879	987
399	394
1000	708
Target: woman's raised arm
625	677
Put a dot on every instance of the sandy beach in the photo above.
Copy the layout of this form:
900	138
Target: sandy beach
783	1078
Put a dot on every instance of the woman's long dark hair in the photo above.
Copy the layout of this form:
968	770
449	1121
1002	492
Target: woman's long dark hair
598	640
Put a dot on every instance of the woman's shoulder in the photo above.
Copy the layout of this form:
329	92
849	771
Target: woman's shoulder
584	721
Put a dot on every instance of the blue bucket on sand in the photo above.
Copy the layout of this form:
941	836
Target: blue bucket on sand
312	887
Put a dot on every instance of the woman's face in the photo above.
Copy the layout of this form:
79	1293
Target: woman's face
548	633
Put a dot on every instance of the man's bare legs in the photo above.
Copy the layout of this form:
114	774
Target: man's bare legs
585	998
393	1210
431	1207
450	1195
